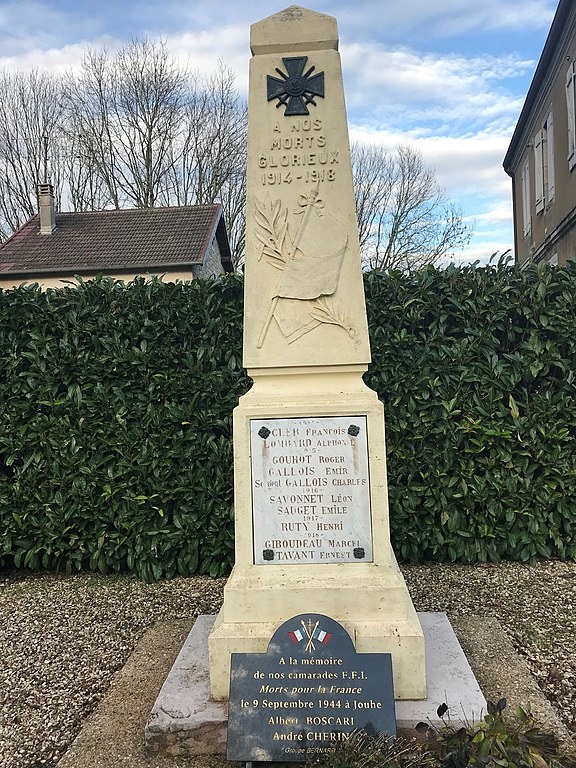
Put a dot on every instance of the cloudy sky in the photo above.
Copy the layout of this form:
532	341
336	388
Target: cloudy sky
448	76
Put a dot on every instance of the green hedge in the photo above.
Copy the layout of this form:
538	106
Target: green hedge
116	401
115	429
476	369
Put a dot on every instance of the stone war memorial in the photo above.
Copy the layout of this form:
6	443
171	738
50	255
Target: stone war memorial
311	508
309	454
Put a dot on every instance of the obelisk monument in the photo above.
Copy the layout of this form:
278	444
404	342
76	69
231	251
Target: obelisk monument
311	507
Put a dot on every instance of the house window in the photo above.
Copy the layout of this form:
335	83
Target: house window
525	181
544	183
538	173
571	108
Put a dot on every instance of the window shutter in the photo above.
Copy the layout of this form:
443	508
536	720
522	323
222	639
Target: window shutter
550	180
538	173
571	106
526	222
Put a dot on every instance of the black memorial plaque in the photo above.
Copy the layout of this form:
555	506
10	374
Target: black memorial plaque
309	692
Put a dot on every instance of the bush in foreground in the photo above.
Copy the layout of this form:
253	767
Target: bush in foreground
494	742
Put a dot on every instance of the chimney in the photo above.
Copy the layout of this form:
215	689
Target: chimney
46	206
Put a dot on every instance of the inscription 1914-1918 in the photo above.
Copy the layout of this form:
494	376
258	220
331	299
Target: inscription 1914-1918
307	694
310	490
299	152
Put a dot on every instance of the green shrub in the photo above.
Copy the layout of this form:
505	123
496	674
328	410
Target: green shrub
491	743
476	368
516	742
116	402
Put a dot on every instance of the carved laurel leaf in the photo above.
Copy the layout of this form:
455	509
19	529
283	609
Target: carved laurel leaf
260	206
277	211
263	222
273	223
325	311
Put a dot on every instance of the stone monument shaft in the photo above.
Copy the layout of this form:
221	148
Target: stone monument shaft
311	507
304	293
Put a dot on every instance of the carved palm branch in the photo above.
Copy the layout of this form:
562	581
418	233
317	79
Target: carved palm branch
272	221
324	310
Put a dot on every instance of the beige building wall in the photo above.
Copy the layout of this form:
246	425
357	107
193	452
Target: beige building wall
62	282
549	236
545	237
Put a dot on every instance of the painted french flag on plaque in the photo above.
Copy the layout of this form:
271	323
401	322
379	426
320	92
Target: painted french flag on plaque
296	636
324	637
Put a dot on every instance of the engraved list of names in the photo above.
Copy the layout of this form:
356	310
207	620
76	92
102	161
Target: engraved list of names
310	490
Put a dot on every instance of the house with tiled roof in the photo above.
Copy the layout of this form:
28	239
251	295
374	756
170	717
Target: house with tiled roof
178	243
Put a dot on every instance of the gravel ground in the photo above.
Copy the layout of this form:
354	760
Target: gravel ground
62	638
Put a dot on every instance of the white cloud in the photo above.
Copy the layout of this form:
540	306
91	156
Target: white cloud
442	19
385	19
481	251
57	60
464	165
459	110
473	164
203	50
470	170
518	14
397	85
27	25
498	214
199	50
459	113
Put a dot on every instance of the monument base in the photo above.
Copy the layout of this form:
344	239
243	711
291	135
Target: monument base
186	721
330	489
372	604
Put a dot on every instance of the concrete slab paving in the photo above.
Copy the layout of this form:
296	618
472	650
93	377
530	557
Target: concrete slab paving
449	680
184	720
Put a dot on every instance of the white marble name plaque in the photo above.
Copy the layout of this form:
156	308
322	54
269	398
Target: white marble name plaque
310	491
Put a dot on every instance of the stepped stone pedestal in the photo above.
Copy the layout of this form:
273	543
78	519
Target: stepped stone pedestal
311	507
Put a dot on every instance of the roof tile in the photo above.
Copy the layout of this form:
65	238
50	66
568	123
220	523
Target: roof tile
135	238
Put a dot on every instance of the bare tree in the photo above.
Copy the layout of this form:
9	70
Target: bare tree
124	115
404	218
133	128
233	199
209	156
146	132
219	120
84	188
30	116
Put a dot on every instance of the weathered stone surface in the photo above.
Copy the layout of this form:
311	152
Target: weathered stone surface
306	347
184	720
449	680
304	302
311	491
